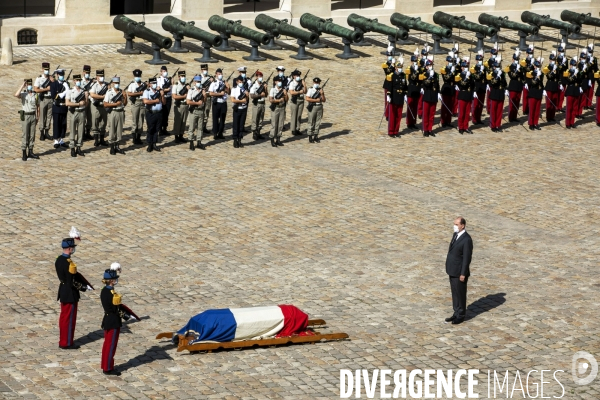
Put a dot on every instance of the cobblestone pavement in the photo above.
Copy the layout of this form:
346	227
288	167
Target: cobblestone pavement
353	230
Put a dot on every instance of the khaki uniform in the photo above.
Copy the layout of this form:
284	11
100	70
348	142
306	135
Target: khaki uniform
258	108
208	102
138	111
88	108
315	114
29	102
116	117
296	108
197	123
99	115
45	105
180	110
77	120
277	116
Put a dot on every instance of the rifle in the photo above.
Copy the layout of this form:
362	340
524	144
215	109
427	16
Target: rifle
299	88
80	97
230	76
47	82
168	80
117	97
316	95
261	88
88	85
143	86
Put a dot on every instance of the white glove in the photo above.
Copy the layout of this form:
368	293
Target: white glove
393	61
475	96
389	99
487	88
584	67
468	74
499	73
544	93
575	72
405	98
431	72
506	93
62	95
89	287
538	72
580	90
439	96
132	318
452	69
456	87
590	83
526	87
422	91
561	87
518	67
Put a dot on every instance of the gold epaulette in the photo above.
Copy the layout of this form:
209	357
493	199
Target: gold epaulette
488	77
566	74
486	64
472	70
72	267
523	63
529	75
506	69
384	66
545	70
596	75
421	77
407	71
443	70
388	77
457	78
116	298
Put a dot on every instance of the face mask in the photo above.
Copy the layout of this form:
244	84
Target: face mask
116	85
280	74
450	64
61	78
398	71
78	84
243	75
220	77
551	62
298	79
479	62
46	72
278	84
415	63
164	74
455	228
182	80
240	85
137	79
29	88
260	78
316	86
389	58
154	86
87	76
101	79
198	84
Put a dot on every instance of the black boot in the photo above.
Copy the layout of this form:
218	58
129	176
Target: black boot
310	139
102	142
155	147
96	140
240	145
73	153
220	136
112	149
177	140
254	135
316	139
279	141
24	155
33	155
200	146
118	149
182	139
258	135
48	137
235	142
192	147
273	142
86	134
149	149
42	135
79	152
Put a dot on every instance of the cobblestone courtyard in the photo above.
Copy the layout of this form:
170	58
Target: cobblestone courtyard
353	230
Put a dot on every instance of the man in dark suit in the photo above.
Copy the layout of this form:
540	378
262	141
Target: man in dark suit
457	268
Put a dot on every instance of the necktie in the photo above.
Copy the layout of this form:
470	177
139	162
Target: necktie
453	239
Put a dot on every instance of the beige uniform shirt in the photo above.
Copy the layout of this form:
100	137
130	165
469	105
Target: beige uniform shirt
110	93
73	93
29	101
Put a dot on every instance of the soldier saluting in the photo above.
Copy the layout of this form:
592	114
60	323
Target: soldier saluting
30	115
42	88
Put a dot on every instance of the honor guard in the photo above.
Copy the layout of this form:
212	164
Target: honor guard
388	68
488	69
396	87
573	92
592	63
585	82
277	98
597	80
258	93
498	91
196	101
563	65
239	98
154	101
247	84
315	97
86	85
296	92
465	87
165	84
114	312
478	74
536	92
431	95
206	81
414	91
115	101
29	116
457	69
135	91
527	65
58	91
448	73
218	91
180	108
99	115
552	87
71	283
77	101
515	86
42	88
285	84
422	70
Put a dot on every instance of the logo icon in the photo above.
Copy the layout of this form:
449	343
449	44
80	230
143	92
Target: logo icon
584	364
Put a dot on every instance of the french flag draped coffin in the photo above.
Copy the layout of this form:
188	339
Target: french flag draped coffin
230	324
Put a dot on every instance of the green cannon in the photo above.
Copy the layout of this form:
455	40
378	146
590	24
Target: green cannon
277	27
227	27
320	26
502	22
452	21
181	29
132	29
579	19
544	20
364	25
437	32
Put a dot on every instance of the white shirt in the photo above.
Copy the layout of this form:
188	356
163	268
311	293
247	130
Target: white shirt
214	87
459	234
73	93
293	87
133	87
235	93
311	92
253	90
160	82
110	93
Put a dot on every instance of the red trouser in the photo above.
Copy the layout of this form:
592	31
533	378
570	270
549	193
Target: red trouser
385	112
455	104
581	103
411	110
534	110
561	99
111	338
395	116
496	113
420	108
463	114
525	102
513	106
477	109
597	110
446	110
551	104
66	323
572	107
488	105
428	114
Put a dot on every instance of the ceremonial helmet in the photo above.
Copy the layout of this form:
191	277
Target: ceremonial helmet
552	56
425	50
429	62
414	58
561	47
450	56
390	51
590	48
494	50
465	63
479	56
573	61
538	63
110	274
516	55
583	54
530	49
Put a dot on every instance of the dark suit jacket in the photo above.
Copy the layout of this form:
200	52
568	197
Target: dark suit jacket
459	256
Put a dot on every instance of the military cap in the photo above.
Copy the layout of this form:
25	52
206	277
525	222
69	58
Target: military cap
424	51
242	69
429	62
493	51
258	73
413	58
76	77
152	80
316	79
45	65
181	73
280	68
219	70
204	66
29	81
296	72
449	58
163	68
137	72
100	72
277	79
197	78
68	242
87	68
60	72
110	274
552	56
116	79
573	61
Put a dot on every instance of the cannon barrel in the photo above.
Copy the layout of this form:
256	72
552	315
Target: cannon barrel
181	28
316	24
545	20
137	29
503	22
281	27
442	18
371	25
579	19
223	25
406	22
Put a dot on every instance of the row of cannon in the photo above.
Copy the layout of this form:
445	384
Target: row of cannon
488	27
